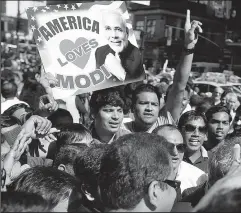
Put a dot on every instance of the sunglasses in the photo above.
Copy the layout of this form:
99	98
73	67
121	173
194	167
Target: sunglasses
173	183
181	147
190	129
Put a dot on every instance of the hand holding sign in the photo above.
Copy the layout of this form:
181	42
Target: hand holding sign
47	105
190	29
114	67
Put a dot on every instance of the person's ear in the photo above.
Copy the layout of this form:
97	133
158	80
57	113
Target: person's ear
206	137
153	194
87	193
127	31
62	167
37	76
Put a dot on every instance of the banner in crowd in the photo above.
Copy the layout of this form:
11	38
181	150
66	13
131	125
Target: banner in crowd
86	46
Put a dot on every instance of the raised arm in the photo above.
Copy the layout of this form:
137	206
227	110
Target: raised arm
175	96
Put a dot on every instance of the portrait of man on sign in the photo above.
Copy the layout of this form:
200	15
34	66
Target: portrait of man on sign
119	55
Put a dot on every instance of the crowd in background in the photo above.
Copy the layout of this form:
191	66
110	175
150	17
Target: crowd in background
154	145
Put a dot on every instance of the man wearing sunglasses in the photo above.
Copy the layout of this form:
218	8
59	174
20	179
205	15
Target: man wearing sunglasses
188	174
140	176
193	126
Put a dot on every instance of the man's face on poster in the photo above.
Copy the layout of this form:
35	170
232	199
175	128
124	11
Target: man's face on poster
115	32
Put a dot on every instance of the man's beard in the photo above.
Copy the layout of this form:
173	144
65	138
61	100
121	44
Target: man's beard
120	48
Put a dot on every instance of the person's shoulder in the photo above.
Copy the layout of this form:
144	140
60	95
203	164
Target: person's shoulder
124	131
187	166
127	126
103	48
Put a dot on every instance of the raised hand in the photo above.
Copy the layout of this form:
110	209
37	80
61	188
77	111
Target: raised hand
20	145
35	127
47	105
48	81
190	30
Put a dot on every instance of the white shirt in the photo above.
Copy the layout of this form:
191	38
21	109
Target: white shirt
190	176
188	108
10	102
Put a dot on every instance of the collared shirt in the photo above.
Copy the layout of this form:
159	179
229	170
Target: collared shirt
165	117
201	162
118	134
190	176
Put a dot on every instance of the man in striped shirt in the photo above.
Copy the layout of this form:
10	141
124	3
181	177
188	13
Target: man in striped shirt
146	100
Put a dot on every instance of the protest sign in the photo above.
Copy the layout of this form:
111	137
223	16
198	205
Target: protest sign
86	46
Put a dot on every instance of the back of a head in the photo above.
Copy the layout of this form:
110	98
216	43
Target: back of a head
61	116
221	160
53	185
72	133
224	200
23	202
109	96
196	100
87	165
136	160
9	89
67	154
7	63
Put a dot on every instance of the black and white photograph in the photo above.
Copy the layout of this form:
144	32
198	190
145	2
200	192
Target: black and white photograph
121	106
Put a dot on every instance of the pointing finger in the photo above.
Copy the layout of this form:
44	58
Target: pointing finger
188	17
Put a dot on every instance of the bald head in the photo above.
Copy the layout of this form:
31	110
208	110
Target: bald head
217	92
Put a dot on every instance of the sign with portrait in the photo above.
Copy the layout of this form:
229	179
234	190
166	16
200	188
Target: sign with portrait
86	46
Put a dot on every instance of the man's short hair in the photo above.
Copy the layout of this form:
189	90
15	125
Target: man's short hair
9	89
72	133
216	109
68	153
60	116
196	100
221	160
144	88
87	165
224	200
187	88
135	163
109	96
107	12
190	116
23	202
50	183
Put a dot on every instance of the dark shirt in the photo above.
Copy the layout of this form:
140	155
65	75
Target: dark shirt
201	162
130	60
194	194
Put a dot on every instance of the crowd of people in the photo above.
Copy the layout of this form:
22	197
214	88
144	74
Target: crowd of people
142	147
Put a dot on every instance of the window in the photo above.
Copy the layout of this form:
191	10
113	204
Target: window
140	25
151	25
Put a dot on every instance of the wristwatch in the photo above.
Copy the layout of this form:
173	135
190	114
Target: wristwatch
188	51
